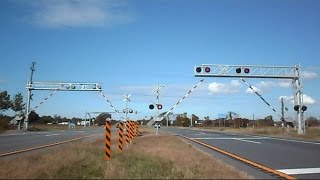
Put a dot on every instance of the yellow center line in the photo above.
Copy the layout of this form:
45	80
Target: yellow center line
44	146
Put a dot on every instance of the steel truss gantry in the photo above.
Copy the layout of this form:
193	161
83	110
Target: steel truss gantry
55	86
259	71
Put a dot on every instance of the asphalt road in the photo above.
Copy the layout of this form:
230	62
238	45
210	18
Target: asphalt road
21	140
297	158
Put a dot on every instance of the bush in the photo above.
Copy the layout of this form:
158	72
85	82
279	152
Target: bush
4	125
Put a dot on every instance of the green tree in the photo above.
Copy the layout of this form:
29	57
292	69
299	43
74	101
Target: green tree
5	102
182	120
33	117
45	119
101	118
17	104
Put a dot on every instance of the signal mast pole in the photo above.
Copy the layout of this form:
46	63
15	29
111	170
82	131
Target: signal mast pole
157	91
29	96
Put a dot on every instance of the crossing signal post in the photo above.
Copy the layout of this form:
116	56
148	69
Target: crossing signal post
256	71
159	106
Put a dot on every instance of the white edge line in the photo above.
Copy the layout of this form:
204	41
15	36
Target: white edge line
52	134
306	142
282	139
300	171
247	141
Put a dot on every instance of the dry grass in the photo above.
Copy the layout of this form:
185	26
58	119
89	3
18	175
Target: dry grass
73	161
49	127
148	157
188	161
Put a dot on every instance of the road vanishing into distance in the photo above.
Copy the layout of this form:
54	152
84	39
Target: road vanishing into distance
296	158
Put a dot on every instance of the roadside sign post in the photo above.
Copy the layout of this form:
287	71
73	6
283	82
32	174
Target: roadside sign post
108	139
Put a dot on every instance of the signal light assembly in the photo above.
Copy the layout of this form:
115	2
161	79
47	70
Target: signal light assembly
303	108
246	70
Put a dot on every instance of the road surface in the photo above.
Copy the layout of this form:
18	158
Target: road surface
297	158
17	141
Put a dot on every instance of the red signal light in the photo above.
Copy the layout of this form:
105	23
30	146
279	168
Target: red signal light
159	106
207	69
246	70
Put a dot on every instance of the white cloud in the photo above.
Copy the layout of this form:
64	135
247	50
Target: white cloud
309	75
78	13
235	83
268	84
286	98
219	88
307	100
255	89
264	84
285	83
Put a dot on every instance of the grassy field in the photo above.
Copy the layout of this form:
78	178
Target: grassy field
312	133
148	157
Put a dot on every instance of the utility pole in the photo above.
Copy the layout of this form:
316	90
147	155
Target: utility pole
253	120
282	110
29	96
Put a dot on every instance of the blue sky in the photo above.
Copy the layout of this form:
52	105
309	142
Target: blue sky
131	46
